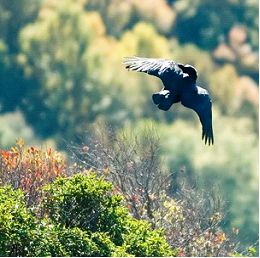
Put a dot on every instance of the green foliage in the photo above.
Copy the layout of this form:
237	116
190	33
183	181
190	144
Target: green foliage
64	50
21	234
17	225
86	202
108	229
250	252
56	240
143	242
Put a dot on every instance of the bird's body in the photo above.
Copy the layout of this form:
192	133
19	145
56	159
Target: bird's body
179	86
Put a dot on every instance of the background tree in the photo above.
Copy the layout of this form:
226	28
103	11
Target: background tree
206	17
64	50
13	85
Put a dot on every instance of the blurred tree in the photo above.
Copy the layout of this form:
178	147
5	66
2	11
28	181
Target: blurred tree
248	94
235	168
237	96
207	23
66	51
239	52
14	15
144	40
223	82
63	61
119	16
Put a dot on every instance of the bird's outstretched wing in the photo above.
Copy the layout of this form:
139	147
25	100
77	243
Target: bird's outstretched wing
165	69
199	100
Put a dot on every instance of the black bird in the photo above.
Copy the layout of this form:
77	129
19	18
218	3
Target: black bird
179	86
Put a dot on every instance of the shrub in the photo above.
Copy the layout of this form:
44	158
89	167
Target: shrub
86	202
89	203
23	234
80	215
57	240
29	169
142	241
17	225
132	163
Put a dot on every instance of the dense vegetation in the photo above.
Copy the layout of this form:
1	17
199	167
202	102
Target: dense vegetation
55	214
61	77
82	217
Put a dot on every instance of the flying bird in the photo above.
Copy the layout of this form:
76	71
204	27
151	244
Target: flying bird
179	82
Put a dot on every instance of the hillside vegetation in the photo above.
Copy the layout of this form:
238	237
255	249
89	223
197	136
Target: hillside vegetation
45	211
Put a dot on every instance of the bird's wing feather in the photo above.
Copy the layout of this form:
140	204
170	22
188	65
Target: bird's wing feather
198	99
162	68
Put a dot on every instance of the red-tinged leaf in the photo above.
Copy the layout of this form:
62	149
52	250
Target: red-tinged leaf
5	154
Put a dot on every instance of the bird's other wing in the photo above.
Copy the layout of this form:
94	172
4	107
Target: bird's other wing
199	100
163	68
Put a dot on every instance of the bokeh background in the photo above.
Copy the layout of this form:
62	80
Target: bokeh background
61	73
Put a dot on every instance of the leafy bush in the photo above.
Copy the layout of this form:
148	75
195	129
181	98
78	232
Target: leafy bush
30	168
86	202
141	241
57	240
21	234
113	231
17	225
89	203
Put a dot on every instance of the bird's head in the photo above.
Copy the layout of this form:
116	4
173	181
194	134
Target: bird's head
190	70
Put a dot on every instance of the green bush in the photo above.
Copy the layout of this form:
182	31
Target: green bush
142	241
89	203
17	225
82	217
86	202
56	240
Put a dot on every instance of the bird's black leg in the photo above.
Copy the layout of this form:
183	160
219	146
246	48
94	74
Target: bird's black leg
158	97
163	99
